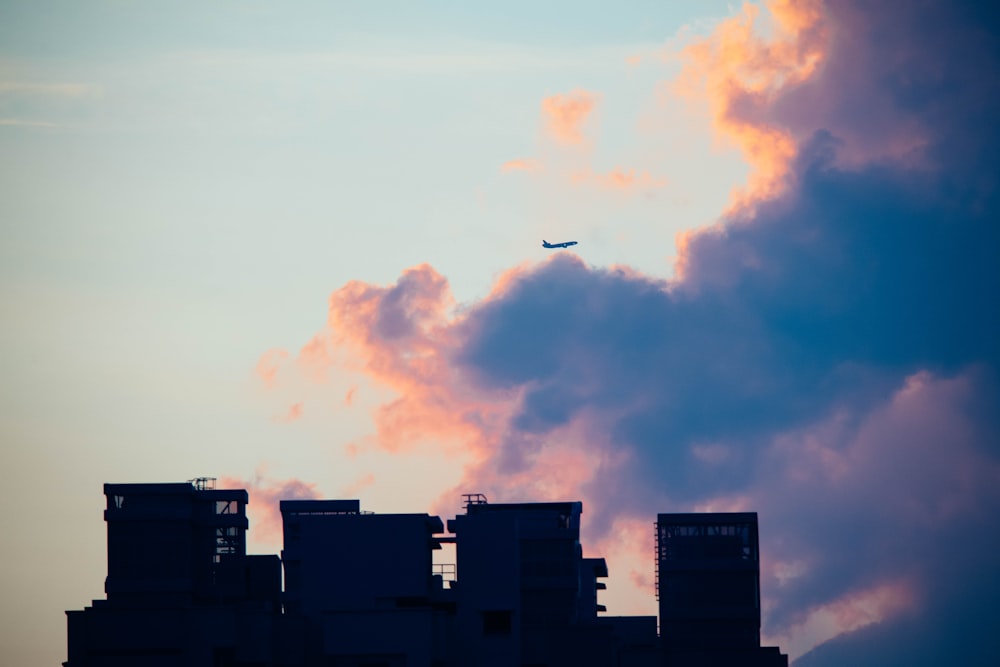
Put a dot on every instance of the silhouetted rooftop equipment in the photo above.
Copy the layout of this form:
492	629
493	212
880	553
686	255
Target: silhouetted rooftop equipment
203	483
474	499
320	507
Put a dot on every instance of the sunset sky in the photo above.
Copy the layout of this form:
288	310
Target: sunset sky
297	247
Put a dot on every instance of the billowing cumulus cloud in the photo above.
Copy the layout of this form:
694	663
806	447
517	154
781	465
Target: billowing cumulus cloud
741	75
826	355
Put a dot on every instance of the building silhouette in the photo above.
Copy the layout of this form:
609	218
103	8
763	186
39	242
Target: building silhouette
180	588
708	587
361	589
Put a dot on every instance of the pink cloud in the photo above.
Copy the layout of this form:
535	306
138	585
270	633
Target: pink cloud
314	358
354	488
620	179
350	396
850	612
739	75
269	364
859	61
566	115
293	413
403	337
399	336
520	164
630	543
263	510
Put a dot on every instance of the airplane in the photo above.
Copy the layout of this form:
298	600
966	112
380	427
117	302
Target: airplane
566	244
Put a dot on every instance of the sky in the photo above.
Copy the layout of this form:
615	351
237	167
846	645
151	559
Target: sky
297	247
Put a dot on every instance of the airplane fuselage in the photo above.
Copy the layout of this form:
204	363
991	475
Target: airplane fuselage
564	244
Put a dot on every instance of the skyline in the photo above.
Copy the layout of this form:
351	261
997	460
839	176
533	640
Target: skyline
518	591
299	250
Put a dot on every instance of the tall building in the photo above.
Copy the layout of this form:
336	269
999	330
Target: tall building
526	596
180	588
708	586
360	588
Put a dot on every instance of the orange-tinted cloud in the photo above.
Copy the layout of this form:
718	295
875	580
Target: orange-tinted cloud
263	511
400	336
269	364
520	164
620	179
314	358
852	611
354	488
565	115
293	413
629	546
739	74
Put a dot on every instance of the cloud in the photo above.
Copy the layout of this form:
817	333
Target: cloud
738	74
566	115
355	487
398	335
269	364
314	358
263	510
828	353
620	179
906	483
520	164
564	118
293	413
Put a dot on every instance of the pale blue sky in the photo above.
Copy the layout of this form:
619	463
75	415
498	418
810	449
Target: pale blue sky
183	184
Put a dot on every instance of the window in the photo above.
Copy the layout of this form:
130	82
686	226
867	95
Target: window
227	507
